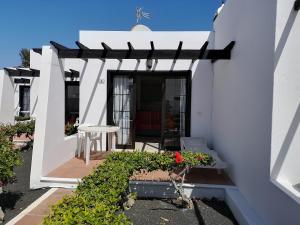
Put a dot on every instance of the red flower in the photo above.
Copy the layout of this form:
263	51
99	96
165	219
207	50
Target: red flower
178	158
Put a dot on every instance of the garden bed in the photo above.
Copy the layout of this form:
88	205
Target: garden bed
154	211
102	196
17	196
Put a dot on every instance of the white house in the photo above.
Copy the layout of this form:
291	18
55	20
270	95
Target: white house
237	86
19	93
19	89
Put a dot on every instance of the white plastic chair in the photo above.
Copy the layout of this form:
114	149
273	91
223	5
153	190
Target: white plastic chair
94	137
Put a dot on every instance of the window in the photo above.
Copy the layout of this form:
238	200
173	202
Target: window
24	100
71	101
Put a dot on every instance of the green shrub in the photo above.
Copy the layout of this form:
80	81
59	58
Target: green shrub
19	128
98	198
70	129
9	158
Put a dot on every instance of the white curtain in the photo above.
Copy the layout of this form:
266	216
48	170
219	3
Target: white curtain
121	108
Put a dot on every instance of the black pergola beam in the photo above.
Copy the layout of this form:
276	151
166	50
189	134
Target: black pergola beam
152	53
81	46
130	47
18	72
203	49
105	47
178	50
230	46
58	46
21	81
297	5
227	51
37	50
152	46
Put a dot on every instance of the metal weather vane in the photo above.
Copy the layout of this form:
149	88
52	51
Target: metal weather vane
141	14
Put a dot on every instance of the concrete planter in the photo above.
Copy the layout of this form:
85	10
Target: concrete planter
152	189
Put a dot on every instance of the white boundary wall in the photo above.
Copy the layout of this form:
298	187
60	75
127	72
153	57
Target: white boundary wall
242	104
285	155
51	148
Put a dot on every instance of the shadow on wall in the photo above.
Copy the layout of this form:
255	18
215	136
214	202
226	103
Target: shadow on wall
286	144
296	120
285	34
93	93
201	102
34	106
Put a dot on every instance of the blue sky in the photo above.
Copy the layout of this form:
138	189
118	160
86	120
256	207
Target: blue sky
33	23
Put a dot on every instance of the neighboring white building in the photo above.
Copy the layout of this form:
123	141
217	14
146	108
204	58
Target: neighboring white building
247	107
19	92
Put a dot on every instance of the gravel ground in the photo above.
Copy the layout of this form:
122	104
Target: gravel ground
17	196
206	212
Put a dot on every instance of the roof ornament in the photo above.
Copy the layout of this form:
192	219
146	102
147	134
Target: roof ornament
141	14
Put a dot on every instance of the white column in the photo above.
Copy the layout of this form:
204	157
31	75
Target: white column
6	98
48	150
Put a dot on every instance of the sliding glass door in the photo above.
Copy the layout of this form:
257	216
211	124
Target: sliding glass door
134	113
123	110
174	112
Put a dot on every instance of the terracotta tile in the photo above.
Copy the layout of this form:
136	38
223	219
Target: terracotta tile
76	168
30	220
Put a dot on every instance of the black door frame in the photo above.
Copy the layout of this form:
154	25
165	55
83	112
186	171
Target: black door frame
162	73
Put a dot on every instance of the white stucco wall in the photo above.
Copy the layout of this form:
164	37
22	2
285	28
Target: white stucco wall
35	63
242	106
51	149
285	153
6	98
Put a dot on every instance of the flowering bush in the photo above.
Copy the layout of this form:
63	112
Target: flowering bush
99	197
179	159
70	129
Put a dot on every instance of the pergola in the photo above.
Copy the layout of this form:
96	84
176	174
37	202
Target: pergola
28	72
106	52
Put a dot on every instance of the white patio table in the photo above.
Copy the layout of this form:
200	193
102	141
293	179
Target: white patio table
109	130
